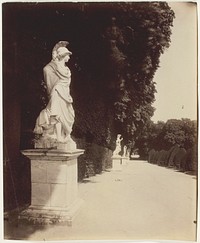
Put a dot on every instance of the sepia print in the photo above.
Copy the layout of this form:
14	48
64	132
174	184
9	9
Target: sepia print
99	121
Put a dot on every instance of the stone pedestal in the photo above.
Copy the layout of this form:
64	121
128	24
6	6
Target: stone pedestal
117	162
54	192
124	160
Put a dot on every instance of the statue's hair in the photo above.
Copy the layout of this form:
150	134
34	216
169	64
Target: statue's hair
58	45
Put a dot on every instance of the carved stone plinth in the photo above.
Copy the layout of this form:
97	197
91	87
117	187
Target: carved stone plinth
54	192
125	160
116	162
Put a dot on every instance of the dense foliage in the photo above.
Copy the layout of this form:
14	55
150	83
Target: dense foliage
164	135
116	49
123	59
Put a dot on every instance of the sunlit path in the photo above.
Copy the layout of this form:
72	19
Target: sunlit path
143	201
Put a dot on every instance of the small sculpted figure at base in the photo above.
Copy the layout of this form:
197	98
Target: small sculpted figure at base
118	145
54	123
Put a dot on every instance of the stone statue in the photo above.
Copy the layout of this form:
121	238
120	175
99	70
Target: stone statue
118	145
55	122
125	151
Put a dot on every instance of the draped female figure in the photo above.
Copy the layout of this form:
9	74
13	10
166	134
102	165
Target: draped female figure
55	122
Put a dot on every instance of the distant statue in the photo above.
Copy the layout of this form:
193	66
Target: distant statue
118	145
125	151
55	122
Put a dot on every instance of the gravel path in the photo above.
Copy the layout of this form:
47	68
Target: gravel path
141	202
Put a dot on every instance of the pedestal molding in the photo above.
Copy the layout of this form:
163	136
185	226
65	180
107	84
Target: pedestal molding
51	154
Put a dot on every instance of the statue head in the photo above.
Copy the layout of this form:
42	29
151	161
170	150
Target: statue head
60	51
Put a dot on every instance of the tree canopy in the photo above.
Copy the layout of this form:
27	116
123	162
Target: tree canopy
165	135
116	49
125	58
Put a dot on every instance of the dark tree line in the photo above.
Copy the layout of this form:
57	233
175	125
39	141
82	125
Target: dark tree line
122	61
172	143
116	49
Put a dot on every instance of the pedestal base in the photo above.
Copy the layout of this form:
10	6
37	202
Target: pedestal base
54	186
124	160
47	215
117	163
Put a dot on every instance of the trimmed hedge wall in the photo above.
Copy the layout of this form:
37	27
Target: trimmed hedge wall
95	159
176	157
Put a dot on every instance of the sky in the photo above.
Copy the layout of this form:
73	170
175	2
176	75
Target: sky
176	78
